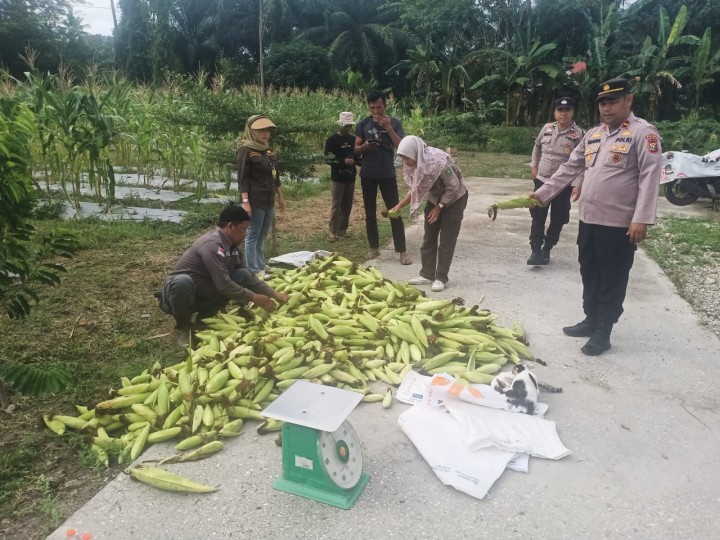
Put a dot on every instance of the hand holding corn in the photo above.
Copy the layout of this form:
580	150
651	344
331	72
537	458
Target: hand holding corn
519	202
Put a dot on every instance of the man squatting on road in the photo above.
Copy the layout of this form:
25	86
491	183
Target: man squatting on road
210	274
552	148
622	161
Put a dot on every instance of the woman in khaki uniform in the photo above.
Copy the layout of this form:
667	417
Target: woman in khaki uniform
259	184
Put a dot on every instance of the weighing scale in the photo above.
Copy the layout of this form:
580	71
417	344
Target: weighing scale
321	453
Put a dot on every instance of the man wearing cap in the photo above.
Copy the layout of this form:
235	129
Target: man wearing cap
339	153
376	138
622	161
552	148
210	274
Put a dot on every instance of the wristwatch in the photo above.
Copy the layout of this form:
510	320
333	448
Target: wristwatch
440	205
246	201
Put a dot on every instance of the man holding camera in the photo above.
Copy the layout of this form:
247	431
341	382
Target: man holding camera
376	138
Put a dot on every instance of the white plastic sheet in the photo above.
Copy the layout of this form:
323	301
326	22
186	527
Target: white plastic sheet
298	259
438	438
483	427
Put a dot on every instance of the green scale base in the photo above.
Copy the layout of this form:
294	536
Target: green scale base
304	474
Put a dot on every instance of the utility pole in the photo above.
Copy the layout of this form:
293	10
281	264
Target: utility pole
260	42
112	8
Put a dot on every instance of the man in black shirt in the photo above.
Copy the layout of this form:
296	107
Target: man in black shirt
339	153
376	138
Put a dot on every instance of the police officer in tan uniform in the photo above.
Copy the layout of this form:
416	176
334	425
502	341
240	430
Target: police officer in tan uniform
552	148
622	160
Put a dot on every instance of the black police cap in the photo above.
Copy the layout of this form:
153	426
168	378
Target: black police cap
564	103
612	88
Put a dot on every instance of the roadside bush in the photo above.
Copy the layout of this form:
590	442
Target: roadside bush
462	130
513	140
695	135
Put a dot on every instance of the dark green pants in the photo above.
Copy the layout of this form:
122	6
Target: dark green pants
438	245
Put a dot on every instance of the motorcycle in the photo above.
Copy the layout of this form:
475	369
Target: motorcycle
689	177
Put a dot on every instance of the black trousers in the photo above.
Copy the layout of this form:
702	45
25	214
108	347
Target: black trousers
389	192
559	209
606	256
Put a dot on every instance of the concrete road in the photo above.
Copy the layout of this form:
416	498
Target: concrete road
642	423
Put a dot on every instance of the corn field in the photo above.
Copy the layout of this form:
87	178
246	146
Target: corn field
186	129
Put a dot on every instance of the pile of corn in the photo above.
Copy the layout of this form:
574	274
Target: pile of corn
344	325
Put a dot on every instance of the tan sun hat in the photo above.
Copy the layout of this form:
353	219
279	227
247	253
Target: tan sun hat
262	123
346	119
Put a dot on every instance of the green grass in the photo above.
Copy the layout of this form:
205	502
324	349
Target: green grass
493	165
681	244
684	241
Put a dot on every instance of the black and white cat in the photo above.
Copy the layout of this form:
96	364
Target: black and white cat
521	387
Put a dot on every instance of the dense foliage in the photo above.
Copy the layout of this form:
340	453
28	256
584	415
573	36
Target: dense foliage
438	55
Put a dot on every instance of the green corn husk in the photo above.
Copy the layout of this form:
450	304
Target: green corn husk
519	202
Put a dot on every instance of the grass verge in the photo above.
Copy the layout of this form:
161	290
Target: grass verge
680	245
103	323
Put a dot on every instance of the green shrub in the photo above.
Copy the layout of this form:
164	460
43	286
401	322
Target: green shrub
298	64
461	130
695	135
513	140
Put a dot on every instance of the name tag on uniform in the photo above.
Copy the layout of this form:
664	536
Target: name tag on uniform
620	148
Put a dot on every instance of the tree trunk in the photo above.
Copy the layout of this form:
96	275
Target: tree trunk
260	51
4	397
112	8
507	107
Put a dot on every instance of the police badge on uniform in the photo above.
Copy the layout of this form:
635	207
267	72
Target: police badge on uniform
652	142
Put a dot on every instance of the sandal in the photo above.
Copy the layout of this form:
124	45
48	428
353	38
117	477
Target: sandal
374	253
405	258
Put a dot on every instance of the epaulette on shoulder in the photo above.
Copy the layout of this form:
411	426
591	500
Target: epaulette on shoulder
549	125
644	123
253	153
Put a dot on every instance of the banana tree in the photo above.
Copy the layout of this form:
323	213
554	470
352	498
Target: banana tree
453	78
518	71
701	67
654	67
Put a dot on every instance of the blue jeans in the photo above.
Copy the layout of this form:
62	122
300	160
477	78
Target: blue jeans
260	222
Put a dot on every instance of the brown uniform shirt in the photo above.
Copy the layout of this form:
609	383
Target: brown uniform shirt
257	176
553	147
209	262
622	174
449	186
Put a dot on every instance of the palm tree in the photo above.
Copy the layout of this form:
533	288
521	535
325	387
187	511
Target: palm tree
359	34
422	66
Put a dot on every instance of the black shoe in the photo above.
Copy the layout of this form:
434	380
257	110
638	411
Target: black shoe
599	342
545	255
535	258
586	328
